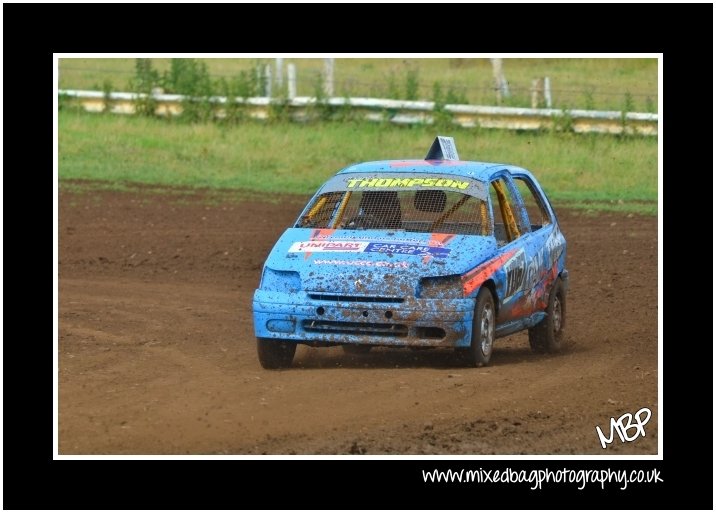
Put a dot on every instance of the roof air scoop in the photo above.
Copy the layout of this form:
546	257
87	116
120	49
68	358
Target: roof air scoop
443	148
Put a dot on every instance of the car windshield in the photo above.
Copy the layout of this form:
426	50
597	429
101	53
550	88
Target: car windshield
411	207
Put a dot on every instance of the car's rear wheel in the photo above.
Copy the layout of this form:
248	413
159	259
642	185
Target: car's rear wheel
548	335
483	331
356	348
275	354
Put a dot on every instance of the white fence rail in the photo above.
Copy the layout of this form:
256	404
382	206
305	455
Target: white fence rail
395	111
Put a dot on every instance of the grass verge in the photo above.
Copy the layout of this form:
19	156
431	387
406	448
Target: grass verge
597	171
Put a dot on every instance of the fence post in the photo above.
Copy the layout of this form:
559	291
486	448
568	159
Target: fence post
267	77
541	96
279	73
291	76
502	90
547	93
328	77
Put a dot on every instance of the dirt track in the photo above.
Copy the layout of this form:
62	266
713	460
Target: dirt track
157	353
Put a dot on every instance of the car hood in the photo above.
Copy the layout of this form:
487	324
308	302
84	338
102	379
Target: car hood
375	262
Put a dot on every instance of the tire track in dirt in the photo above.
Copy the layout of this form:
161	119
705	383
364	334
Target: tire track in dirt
157	352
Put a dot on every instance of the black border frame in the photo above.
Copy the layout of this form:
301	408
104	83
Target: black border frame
32	480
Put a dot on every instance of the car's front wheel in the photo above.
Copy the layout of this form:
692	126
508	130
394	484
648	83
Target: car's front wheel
483	331
275	354
548	335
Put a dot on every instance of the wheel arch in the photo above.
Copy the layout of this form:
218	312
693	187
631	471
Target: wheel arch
490	285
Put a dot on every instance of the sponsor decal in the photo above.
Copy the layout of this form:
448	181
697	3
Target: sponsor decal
392	182
514	273
438	240
319	246
363	263
542	265
407	249
473	279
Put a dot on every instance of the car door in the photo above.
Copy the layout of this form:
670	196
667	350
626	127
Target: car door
520	243
543	243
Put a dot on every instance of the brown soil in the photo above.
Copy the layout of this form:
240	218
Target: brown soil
157	354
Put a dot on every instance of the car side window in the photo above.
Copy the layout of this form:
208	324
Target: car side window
536	210
321	211
504	211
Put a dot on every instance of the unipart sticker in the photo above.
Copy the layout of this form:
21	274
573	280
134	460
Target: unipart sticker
321	246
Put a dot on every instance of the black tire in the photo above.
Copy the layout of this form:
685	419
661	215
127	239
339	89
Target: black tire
356	348
275	354
483	331
548	335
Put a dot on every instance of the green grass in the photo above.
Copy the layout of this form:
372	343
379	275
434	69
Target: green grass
598	171
600	83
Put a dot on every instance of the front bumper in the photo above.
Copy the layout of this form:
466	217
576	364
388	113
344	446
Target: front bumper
411	322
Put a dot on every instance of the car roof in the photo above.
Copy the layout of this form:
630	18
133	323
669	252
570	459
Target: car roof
477	170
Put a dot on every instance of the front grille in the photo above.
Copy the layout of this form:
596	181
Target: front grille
356	328
355	299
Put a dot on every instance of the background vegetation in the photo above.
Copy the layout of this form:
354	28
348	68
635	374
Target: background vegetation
599	83
589	171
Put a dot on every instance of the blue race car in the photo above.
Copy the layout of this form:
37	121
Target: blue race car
416	253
